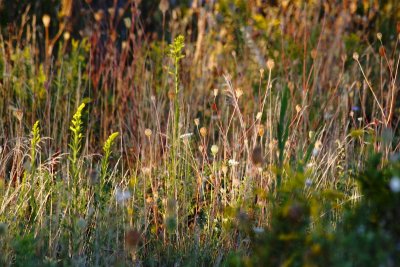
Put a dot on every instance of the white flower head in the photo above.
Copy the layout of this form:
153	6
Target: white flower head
214	150
233	162
394	184
122	195
258	230
186	136
315	151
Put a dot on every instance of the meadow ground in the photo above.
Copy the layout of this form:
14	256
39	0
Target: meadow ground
198	133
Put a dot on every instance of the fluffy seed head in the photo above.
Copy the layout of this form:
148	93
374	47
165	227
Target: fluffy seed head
394	184
214	150
355	56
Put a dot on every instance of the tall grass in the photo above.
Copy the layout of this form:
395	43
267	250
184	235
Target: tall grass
249	146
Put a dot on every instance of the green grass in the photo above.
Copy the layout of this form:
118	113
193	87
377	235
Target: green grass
241	143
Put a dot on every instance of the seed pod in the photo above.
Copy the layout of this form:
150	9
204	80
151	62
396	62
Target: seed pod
214	150
148	132
260	130
203	131
46	20
270	64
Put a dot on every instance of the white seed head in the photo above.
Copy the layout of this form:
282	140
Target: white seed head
233	162
203	131
215	92
185	136
214	150
122	195
394	184
355	56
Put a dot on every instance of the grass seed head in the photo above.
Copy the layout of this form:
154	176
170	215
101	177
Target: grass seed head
148	133
99	15
66	35
46	20
215	92
355	56
261	130
214	150
239	93
18	114
203	131
270	64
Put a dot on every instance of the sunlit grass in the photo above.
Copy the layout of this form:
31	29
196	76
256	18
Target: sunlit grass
256	137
